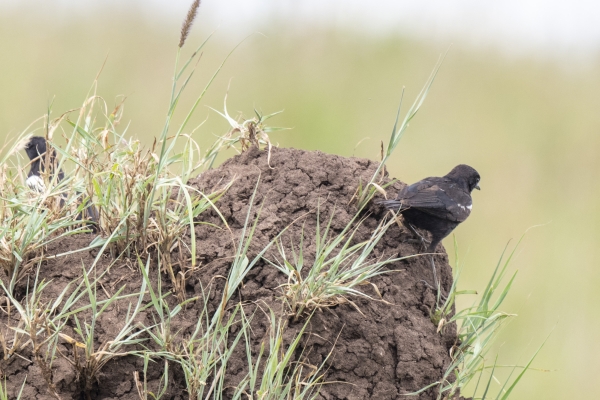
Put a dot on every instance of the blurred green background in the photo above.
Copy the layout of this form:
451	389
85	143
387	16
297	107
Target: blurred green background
528	123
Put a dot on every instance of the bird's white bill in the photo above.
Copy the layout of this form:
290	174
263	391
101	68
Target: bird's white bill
36	183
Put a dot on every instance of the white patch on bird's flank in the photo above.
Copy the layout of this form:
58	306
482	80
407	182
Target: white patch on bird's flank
470	207
36	183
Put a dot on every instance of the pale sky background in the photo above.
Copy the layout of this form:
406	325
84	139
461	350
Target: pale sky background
548	26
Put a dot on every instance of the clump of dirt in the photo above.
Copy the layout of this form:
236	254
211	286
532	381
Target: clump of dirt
371	349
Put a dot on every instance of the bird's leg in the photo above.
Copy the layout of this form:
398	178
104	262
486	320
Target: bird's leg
420	237
429	249
435	279
403	223
436	282
437	288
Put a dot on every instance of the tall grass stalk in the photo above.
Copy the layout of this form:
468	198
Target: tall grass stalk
397	132
175	97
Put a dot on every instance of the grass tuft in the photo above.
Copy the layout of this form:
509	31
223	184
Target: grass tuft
478	327
339	268
278	375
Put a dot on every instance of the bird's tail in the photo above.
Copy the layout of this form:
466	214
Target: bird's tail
394	205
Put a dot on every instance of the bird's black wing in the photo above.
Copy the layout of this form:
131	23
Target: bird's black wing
439	197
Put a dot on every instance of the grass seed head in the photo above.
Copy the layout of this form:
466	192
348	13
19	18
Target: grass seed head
189	20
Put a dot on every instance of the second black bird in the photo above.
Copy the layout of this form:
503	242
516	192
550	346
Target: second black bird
36	149
437	204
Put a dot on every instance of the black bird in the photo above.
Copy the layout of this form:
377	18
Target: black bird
36	151
437	205
36	148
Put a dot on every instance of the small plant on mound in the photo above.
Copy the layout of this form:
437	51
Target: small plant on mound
338	269
149	205
90	363
141	196
42	324
34	325
250	132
